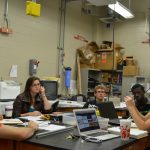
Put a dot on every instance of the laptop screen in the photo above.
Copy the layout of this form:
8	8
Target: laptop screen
86	120
107	110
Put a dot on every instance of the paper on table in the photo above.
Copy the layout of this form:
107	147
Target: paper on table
11	121
134	132
52	127
32	118
133	125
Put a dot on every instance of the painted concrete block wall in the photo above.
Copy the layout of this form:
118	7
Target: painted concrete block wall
37	37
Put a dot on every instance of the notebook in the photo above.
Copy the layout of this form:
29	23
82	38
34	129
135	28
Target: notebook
88	125
11	121
107	110
134	132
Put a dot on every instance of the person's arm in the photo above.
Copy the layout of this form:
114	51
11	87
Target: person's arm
47	105
1	117
19	134
141	121
34	113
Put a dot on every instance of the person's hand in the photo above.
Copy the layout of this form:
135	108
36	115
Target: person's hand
33	125
1	117
129	101
42	91
57	113
35	113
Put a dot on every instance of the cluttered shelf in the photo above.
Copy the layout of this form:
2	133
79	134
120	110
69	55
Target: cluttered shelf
108	83
117	71
91	78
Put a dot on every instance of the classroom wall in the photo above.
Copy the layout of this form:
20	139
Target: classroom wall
37	37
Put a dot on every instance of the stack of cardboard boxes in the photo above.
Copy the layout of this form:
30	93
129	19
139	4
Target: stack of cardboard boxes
131	68
108	55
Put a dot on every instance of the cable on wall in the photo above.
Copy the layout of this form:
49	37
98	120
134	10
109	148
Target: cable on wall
149	25
61	36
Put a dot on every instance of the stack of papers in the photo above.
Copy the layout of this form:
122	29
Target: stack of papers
52	127
11	121
36	119
134	132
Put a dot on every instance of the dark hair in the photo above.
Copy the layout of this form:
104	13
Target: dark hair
29	83
137	86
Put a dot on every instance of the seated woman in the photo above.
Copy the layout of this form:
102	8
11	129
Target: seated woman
99	93
33	101
22	133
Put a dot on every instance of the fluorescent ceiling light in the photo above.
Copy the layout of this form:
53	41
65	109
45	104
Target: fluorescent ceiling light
122	10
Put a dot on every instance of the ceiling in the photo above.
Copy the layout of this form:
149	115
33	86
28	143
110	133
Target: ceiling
134	5
106	15
137	5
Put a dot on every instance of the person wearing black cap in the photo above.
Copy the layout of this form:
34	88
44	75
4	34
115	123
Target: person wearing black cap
141	102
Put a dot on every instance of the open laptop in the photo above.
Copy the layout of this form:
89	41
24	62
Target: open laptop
54	106
88	125
107	110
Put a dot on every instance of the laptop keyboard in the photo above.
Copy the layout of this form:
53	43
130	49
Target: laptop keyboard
103	135
98	134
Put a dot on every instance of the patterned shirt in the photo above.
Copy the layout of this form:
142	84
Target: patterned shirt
91	104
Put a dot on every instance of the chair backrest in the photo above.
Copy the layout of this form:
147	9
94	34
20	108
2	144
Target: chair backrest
79	98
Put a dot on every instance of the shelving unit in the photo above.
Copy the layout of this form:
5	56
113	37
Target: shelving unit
112	79
89	79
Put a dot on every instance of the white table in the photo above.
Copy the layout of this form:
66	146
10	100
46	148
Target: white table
62	103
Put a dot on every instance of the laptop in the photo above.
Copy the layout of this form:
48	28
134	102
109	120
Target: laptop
88	125
54	106
107	110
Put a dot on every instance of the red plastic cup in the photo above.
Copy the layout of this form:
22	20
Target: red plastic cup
125	126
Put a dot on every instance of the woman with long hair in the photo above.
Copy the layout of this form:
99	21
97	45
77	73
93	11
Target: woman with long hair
33	101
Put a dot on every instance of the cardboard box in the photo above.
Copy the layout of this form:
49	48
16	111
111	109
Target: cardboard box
104	61
86	65
105	77
130	70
